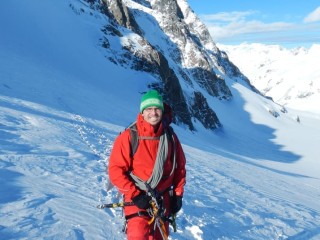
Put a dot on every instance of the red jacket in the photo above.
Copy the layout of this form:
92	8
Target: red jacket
143	162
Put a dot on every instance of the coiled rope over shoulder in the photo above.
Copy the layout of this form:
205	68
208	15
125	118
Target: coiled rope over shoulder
162	155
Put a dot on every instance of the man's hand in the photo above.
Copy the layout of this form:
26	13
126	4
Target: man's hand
176	204
142	201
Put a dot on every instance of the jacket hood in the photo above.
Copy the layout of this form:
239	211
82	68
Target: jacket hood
167	115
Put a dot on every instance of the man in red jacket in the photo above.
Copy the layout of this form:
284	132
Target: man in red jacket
157	166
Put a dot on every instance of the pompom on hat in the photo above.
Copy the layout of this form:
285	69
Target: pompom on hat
151	99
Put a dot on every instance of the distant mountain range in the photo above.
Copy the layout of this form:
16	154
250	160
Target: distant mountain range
291	77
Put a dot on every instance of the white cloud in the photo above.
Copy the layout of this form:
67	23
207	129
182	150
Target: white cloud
242	27
227	16
313	16
225	25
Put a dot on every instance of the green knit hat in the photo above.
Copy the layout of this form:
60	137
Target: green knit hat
151	99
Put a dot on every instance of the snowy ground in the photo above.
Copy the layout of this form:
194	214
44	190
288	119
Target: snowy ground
52	177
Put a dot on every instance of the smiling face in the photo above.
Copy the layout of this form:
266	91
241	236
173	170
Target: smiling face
152	115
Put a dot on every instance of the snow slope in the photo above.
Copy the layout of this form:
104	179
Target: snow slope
62	105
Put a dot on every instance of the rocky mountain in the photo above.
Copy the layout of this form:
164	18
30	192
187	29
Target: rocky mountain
291	77
167	39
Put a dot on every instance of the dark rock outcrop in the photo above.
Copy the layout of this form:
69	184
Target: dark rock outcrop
182	56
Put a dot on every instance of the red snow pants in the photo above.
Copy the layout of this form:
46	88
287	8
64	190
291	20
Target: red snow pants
138	228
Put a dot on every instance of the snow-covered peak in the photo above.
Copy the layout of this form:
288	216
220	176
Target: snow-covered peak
291	77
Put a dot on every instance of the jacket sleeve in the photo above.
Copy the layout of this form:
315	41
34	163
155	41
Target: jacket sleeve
119	165
180	171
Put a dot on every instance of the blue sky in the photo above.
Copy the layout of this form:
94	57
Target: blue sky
289	23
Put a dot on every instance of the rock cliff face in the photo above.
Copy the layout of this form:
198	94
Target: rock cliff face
172	44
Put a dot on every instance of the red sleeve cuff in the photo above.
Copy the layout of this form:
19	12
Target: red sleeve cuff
179	194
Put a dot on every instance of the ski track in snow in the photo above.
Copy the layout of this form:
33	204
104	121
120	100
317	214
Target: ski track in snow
63	160
65	184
